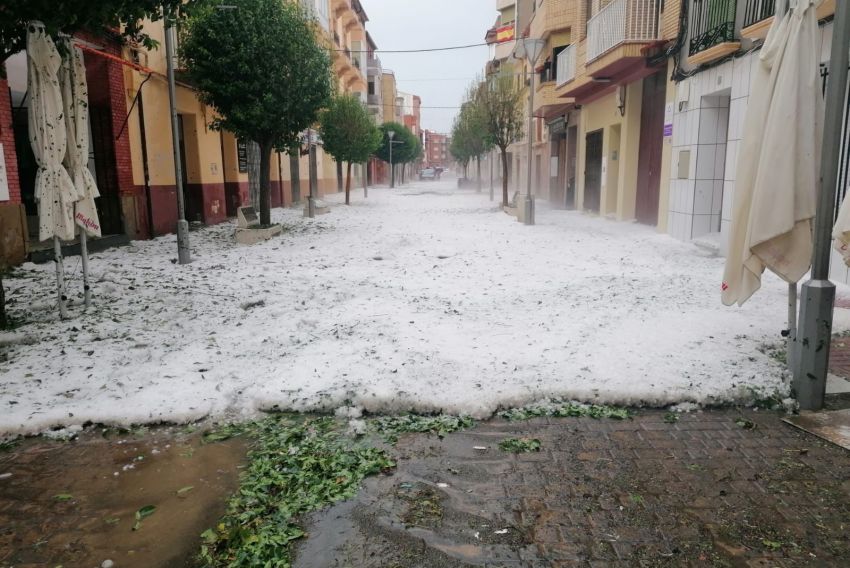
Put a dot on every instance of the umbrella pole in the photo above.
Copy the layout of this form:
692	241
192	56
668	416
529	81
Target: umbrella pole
84	254
792	324
60	277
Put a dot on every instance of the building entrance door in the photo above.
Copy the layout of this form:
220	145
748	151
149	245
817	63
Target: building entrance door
593	171
651	142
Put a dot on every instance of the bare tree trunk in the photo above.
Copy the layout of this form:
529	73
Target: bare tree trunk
504	177
478	186
295	175
339	176
265	195
348	184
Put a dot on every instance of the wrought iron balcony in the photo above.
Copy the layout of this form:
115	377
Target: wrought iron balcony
712	23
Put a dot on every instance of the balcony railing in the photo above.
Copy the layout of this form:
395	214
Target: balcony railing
712	23
757	11
619	22
566	65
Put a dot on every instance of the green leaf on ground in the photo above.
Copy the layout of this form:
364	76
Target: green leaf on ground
745	424
184	490
391	427
671	417
61	497
561	409
295	467
520	445
142	514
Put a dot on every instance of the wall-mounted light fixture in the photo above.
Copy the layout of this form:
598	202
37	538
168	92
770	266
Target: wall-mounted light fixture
621	100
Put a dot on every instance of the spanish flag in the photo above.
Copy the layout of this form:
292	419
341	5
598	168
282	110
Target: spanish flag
505	33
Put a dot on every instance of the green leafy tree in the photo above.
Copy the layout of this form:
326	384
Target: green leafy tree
500	101
459	149
470	136
122	17
406	147
349	134
260	67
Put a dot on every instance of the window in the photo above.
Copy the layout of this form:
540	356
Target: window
371	87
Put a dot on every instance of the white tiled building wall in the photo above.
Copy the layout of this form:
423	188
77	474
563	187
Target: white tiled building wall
708	126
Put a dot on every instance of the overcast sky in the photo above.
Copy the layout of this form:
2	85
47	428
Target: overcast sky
439	78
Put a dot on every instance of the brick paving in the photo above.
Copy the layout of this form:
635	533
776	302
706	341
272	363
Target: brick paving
715	488
839	356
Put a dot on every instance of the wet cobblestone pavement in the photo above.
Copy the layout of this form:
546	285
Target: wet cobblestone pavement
712	488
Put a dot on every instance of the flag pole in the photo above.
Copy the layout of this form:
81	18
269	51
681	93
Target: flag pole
818	294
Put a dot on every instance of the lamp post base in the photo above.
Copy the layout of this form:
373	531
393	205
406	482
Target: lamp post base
184	255
528	218
814	336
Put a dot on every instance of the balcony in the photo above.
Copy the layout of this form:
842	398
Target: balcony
758	16
621	22
374	67
566	65
712	30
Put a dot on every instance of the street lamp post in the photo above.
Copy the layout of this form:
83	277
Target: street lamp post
391	135
184	255
530	49
818	294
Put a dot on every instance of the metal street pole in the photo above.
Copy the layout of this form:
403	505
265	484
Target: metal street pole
529	199
184	255
365	171
391	134
314	176
818	294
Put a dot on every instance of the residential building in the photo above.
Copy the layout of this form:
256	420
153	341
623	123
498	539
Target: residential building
436	147
109	160
13	215
131	148
708	103
614	72
389	97
514	16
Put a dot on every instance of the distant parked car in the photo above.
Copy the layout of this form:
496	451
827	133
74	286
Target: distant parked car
428	173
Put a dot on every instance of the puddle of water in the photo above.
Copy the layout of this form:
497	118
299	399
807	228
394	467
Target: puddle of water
74	503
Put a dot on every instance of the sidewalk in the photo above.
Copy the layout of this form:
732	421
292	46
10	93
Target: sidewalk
715	488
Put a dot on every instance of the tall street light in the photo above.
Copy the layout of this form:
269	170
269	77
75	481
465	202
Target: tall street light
530	49
184	255
818	294
391	135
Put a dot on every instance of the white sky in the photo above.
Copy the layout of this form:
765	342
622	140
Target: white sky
439	78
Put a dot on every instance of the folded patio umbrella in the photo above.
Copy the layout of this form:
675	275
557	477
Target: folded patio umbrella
779	157
75	99
54	189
